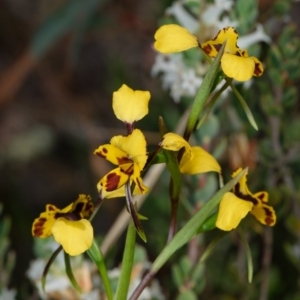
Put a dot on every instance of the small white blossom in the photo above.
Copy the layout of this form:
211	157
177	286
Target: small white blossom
6	294
184	18
252	38
190	82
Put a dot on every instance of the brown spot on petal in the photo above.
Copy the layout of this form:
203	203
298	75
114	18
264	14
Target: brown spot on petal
78	208
51	208
104	150
269	221
257	69
100	154
124	160
262	197
269	216
128	171
239	194
112	182
217	47
38	227
268	211
207	49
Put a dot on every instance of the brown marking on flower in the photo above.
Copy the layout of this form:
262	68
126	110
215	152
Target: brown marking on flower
262	196
217	47
124	160
269	216
38	227
140	185
59	215
257	69
207	49
128	171
102	153
239	194
269	221
112	182
78	208
51	208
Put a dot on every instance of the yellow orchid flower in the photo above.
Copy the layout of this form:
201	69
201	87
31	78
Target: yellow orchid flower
129	154
235	62
130	106
194	160
68	226
174	38
235	205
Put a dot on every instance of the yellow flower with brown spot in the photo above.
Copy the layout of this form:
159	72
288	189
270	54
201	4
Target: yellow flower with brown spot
174	38
129	154
68	226
235	205
130	106
235	62
194	159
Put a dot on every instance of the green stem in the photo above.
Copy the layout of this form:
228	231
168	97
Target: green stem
70	272
248	253
127	263
245	106
97	257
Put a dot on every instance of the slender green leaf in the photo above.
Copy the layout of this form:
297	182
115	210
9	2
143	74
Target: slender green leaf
212	103
245	107
248	253
47	267
55	27
127	263
203	93
70	272
97	257
191	227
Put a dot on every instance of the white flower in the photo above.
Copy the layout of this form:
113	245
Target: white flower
252	38
226	22
183	17
6	294
213	12
190	82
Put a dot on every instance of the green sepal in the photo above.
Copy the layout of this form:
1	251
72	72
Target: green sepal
127	263
191	227
47	267
97	257
209	223
245	107
141	217
159	159
70	273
